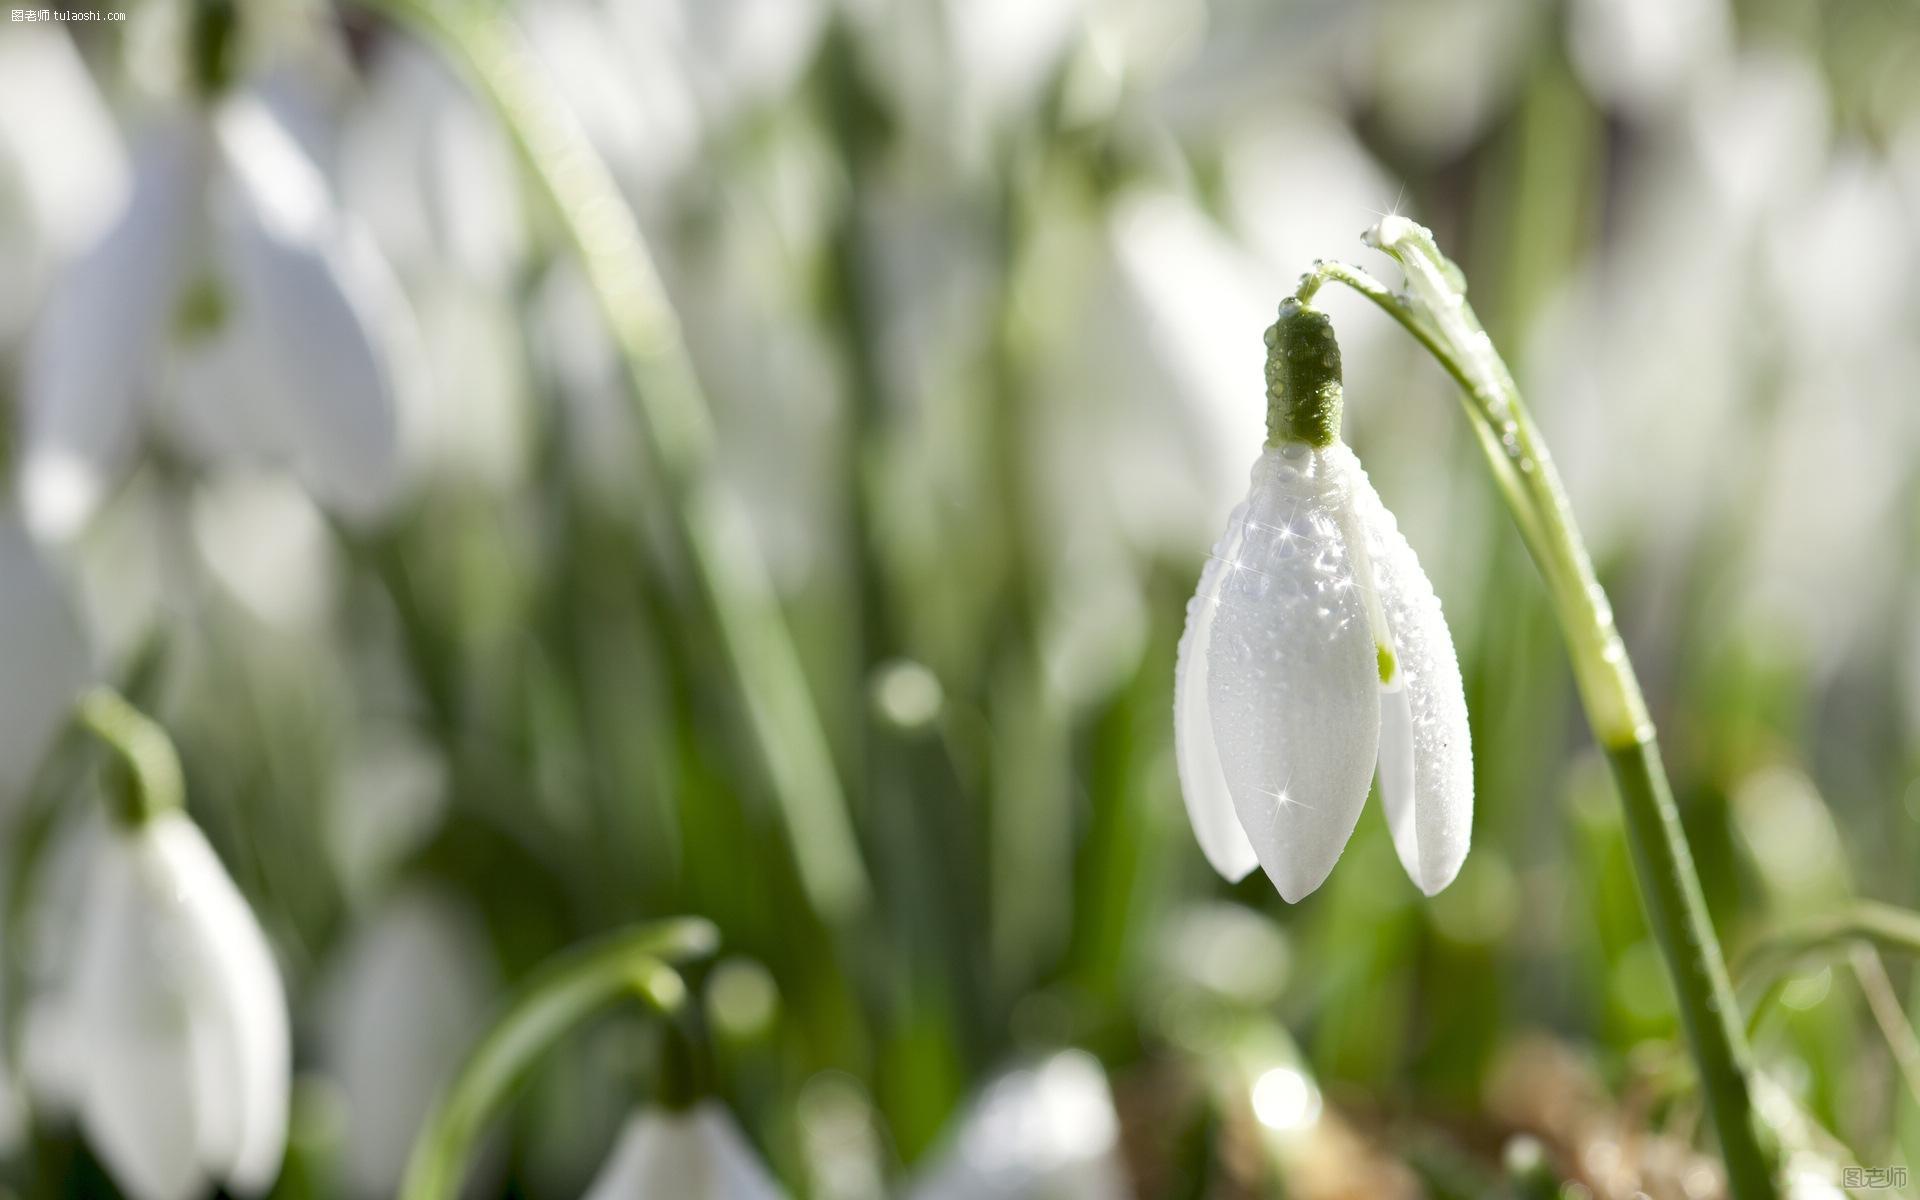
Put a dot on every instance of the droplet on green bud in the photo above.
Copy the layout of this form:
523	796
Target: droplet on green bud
1303	377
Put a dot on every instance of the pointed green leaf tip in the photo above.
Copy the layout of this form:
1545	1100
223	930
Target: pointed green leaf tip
1303	377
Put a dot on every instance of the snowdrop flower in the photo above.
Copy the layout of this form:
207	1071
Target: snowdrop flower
57	178
399	1011
176	1045
1315	656
1046	1131
1639	53
695	1154
230	284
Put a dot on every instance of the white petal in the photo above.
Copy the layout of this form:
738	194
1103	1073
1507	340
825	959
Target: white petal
100	329
1292	676
1202	782
218	392
400	1011
238	1008
1045	1130
43	659
136	1056
322	308
694	1155
737	1172
1426	753
70	175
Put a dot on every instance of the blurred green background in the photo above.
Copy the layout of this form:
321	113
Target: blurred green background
974	291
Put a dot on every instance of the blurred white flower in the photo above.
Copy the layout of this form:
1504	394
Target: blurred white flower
1150	416
1762	257
697	1154
1637	54
1758	125
1222	62
1002	53
431	173
59	180
1444	69
434	177
737	54
1316	654
399	1012
273	327
770	375
268	546
43	658
1045	1132
390	801
652	80
172	1045
1678	272
1225	950
633	99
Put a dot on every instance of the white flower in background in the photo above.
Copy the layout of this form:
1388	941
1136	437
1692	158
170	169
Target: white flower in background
57	178
1160	310
1046	1132
431	173
696	1154
435	180
1442	71
1315	656
230	298
173	1045
1637	54
400	1010
651	81
43	659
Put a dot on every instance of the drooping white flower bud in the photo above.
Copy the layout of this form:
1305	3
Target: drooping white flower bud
231	299
176	1021
695	1154
1048	1129
1316	657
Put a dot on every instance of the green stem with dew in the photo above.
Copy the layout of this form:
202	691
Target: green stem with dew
579	982
673	411
1435	311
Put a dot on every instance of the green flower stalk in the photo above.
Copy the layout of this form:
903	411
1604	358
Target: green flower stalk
152	784
572	987
1435	311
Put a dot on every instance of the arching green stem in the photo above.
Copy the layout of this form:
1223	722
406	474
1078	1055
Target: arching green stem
1861	931
673	411
1435	311
1865	922
557	999
154	783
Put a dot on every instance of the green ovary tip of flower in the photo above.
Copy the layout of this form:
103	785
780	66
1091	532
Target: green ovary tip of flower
201	311
1303	377
1383	658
